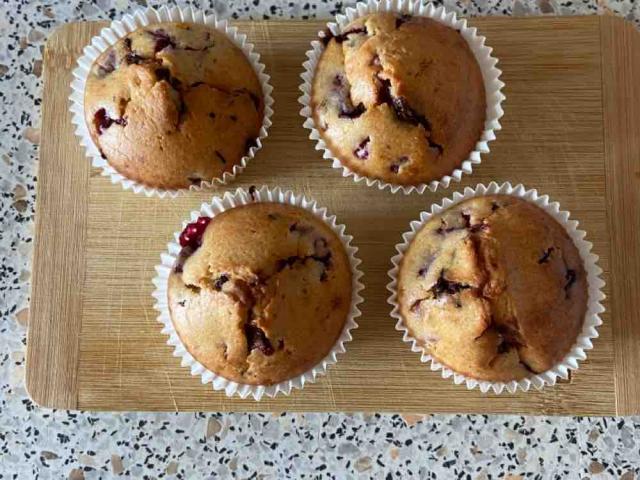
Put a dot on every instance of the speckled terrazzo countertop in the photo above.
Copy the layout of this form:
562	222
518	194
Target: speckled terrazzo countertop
41	443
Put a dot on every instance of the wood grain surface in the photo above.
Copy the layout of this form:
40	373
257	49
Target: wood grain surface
621	102
570	129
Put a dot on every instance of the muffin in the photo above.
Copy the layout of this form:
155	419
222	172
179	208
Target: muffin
494	289
260	293
173	104
398	98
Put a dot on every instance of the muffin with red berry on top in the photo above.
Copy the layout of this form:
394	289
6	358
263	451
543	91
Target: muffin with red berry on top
260	293
171	105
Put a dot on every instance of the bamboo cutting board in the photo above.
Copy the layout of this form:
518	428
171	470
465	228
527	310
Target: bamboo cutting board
571	129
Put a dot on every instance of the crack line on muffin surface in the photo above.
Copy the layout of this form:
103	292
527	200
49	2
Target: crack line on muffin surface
163	73
162	41
403	111
509	332
183	89
398	104
248	293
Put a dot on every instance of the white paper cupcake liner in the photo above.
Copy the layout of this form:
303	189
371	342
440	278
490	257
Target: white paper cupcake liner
120	28
490	74
595	284
168	258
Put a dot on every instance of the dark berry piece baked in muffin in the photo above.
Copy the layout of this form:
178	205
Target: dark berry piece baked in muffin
173	104
494	288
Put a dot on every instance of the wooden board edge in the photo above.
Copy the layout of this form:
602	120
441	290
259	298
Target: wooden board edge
52	348
38	227
620	50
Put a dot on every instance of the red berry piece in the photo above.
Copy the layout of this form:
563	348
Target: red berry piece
203	221
191	236
185	239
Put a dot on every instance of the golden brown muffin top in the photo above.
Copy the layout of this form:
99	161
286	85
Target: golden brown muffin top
399	98
173	104
266	294
493	288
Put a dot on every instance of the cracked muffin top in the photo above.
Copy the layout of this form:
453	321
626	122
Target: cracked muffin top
493	288
399	98
261	292
173	104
